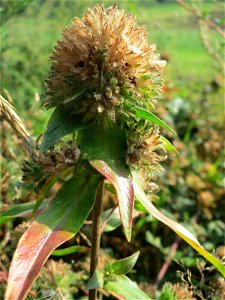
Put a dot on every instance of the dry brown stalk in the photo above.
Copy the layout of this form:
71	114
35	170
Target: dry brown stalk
8	113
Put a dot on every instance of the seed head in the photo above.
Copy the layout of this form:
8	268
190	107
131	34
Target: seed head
146	149
100	59
50	164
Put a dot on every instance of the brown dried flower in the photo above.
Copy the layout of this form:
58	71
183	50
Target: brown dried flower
51	163
146	149
57	160
101	58
182	292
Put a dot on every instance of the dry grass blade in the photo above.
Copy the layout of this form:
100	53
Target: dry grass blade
8	113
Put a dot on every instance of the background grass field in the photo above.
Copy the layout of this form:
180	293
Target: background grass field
30	36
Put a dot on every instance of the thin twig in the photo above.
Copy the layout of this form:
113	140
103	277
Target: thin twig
166	264
87	222
208	45
209	22
96	235
107	218
84	237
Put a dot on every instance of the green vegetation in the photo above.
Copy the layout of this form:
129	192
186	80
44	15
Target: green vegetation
191	190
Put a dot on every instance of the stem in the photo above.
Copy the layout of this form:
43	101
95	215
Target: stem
209	22
167	263
96	235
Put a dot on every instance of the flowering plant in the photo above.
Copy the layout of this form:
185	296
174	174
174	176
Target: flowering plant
104	82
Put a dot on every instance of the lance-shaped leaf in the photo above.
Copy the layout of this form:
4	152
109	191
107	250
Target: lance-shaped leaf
112	219
104	145
123	288
60	124
123	266
168	146
177	228
153	118
68	251
120	286
20	210
58	223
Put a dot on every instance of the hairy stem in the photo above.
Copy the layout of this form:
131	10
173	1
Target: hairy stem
96	235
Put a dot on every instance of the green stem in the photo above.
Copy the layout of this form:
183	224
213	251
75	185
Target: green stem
96	235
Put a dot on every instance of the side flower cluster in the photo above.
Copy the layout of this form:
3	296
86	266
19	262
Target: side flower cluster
145	152
47	165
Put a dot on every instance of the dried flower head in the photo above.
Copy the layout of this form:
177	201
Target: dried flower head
182	292
146	149
51	163
101	58
145	152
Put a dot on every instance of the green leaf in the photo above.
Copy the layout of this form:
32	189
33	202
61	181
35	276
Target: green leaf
60	124
109	187
43	192
96	281
167	293
20	210
145	76
168	146
67	251
123	288
113	221
103	144
57	224
123	266
176	227
153	118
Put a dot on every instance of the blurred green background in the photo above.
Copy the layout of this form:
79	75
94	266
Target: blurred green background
192	187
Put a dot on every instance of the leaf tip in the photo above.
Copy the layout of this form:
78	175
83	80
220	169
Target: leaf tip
127	232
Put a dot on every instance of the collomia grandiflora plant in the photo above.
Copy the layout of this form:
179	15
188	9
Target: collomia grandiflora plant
104	82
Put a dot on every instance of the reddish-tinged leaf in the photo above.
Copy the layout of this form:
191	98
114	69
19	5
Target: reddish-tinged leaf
104	145
60	222
176	227
122	182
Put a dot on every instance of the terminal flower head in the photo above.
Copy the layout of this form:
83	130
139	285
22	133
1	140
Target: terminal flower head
101	58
